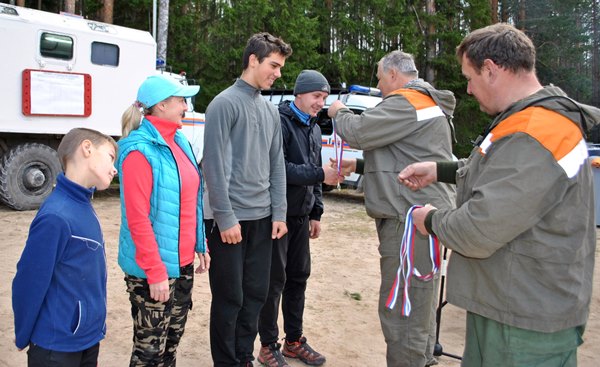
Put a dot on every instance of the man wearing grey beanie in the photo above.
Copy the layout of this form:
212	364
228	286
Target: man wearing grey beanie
290	264
311	81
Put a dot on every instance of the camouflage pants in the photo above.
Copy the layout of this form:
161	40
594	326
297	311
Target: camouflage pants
158	326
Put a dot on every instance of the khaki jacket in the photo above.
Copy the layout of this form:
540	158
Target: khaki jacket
407	126
523	234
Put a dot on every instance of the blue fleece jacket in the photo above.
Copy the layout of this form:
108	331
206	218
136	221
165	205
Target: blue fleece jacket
59	291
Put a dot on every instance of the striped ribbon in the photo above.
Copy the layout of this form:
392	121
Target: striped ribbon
339	151
406	269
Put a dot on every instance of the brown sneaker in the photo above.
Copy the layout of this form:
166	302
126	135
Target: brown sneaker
303	352
270	356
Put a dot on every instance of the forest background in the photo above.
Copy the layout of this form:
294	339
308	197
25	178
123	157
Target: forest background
344	39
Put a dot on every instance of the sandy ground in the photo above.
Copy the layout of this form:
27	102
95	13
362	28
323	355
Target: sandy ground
341	314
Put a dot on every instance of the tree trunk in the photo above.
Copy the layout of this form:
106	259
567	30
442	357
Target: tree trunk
20	2
494	7
503	11
521	16
431	43
70	6
107	11
595	54
163	30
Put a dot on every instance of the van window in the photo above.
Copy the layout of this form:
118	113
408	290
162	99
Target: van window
105	54
325	122
56	45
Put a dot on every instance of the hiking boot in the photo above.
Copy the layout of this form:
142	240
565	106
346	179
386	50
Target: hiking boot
303	352
270	356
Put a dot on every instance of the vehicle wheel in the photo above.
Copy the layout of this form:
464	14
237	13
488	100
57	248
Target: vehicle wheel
27	175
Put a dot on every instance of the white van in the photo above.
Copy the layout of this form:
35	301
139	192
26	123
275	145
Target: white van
357	98
60	72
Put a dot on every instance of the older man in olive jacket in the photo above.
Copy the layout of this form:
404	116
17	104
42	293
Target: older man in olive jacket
409	125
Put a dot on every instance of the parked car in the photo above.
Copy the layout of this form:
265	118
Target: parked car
357	98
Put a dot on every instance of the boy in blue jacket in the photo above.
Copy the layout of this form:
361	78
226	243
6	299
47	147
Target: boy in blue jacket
59	290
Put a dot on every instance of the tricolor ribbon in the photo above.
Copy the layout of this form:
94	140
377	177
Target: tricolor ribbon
406	269
339	151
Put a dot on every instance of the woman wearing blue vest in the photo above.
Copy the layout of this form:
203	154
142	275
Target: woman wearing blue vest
161	219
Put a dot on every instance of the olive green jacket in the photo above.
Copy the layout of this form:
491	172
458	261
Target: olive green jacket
523	234
409	125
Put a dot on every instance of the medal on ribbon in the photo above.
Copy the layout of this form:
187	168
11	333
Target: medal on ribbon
339	152
407	269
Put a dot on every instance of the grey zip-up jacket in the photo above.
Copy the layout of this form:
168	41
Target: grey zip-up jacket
523	234
243	157
409	125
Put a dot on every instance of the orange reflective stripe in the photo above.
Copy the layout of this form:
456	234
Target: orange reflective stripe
417	99
555	132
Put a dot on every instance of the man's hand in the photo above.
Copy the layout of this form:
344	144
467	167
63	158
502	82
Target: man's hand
418	216
232	235
418	175
314	228
334	108
331	176
204	263
160	291
348	165
279	230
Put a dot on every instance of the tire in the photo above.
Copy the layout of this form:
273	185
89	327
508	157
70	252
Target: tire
27	175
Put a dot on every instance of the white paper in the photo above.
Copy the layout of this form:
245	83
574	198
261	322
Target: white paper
57	93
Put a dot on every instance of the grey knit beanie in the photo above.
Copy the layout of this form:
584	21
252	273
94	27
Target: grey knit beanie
311	81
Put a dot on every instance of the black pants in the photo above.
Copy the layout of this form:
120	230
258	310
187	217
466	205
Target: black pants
239	281
290	269
40	357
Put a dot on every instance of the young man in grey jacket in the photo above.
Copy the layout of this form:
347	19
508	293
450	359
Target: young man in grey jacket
410	124
523	235
245	178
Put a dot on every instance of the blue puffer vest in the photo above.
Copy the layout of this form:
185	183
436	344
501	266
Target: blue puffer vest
164	201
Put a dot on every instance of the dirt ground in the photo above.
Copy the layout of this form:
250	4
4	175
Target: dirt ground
341	314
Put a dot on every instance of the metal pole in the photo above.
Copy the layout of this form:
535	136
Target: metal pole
154	18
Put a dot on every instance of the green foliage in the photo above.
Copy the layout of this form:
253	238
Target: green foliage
345	39
133	14
563	25
454	19
296	25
